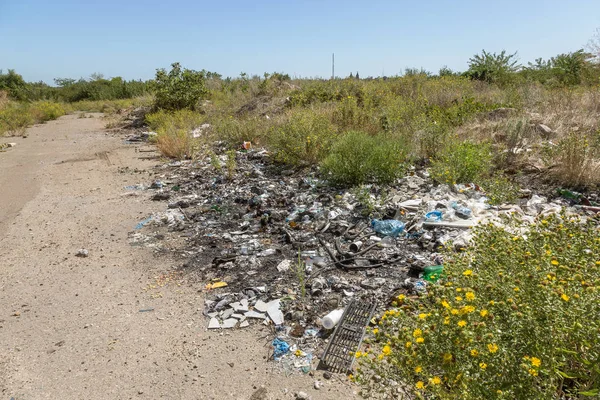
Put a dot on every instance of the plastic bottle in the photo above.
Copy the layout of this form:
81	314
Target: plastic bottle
433	273
388	227
331	320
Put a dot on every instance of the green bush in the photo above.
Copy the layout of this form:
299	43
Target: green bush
46	110
492	67
514	317
499	189
180	88
462	162
162	121
358	158
14	118
303	139
236	131
173	128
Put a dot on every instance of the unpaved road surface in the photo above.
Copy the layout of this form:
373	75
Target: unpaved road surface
80	328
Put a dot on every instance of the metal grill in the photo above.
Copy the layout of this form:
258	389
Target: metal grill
347	337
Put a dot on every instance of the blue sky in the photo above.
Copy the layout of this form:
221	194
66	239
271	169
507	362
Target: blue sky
44	39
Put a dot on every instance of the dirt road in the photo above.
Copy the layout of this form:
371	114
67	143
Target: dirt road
71	327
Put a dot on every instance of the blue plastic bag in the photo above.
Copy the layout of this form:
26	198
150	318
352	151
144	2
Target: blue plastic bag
388	227
280	348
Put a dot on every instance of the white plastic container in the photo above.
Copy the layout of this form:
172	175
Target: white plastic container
331	320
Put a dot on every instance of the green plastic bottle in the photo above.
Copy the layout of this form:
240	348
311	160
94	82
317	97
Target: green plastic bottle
433	273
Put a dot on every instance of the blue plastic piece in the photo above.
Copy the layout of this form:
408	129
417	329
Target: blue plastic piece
281	347
143	223
388	227
435	215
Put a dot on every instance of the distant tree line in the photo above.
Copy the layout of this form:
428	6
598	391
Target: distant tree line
569	69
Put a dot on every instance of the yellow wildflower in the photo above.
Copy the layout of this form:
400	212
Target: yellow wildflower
516	289
447	357
533	372
435	380
401	297
458	298
380	357
375	331
418	370
386	350
422	316
492	347
536	362
446	320
420	385
474	353
358	354
420	340
408	344
468	309
483	313
554	262
417	332
482	365
454	311
468	272
462	323
492	302
445	304
470	296
564	297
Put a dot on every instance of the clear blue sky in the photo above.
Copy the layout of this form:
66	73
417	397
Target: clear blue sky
44	39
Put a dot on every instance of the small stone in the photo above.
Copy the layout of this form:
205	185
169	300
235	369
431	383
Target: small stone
244	324
82	253
302	396
327	375
284	266
318	385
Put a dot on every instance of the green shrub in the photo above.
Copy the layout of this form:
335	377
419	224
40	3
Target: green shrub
46	110
163	121
499	189
462	162
303	139
236	131
180	88
14	118
492	67
514	317
358	158
174	139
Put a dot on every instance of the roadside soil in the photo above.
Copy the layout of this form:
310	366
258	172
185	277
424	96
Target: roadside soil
120	323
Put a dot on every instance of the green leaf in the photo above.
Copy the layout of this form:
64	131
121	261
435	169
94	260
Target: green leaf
590	393
565	375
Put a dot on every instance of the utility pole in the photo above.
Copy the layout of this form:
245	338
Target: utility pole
332	66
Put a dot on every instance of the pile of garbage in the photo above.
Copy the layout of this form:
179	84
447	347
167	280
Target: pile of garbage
283	249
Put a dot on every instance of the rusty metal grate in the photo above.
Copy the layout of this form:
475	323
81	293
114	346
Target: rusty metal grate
347	337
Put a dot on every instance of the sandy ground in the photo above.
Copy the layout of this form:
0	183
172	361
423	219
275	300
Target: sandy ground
71	327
